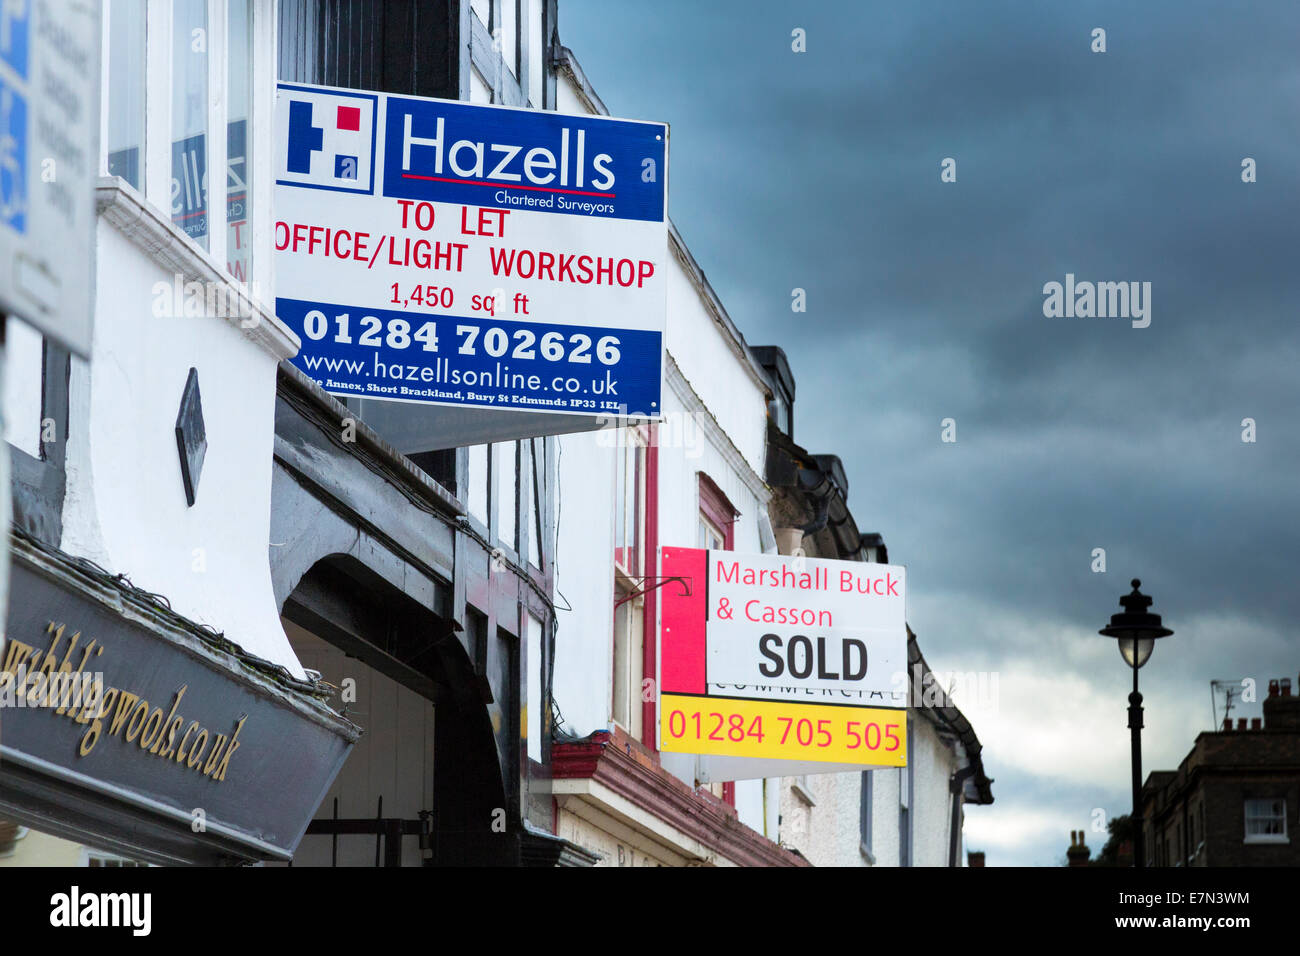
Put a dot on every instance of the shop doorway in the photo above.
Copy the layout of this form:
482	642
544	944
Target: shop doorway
379	811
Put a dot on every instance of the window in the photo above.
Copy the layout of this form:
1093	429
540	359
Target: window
239	151
717	517
102	858
780	411
629	503
716	524
507	508
126	59
507	35
189	200
533	453
711	536
536	700
629	652
1266	820
478	483
35	397
505	472
182	102
630	496
23	393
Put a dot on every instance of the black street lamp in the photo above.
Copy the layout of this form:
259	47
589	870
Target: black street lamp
1137	630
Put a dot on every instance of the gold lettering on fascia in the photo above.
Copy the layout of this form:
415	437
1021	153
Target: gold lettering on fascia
31	677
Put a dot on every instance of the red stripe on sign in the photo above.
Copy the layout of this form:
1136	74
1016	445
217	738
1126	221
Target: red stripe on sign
681	643
483	182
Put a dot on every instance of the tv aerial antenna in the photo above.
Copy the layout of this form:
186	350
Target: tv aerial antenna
1230	688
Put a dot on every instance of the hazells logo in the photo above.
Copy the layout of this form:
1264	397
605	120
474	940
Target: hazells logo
325	140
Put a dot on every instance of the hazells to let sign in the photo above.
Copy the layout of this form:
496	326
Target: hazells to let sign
440	252
784	658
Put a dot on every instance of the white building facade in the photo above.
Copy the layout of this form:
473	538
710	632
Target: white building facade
340	633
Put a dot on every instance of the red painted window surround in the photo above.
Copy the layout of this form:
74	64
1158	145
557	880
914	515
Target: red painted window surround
718	509
722	513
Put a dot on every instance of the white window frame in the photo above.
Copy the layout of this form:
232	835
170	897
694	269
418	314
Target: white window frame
629	623
1283	837
632	450
157	146
628	650
505	466
105	859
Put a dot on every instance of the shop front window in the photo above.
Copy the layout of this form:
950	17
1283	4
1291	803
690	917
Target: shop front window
239	144
126	90
189	186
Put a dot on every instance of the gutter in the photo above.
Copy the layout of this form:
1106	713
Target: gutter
947	715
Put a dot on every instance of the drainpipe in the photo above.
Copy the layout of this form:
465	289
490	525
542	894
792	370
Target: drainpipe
819	522
955	787
824	491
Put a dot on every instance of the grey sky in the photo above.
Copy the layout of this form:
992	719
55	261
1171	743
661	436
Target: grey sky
821	170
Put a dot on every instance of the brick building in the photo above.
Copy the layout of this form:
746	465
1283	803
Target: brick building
1234	799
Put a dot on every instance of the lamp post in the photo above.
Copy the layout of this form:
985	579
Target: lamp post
1136	629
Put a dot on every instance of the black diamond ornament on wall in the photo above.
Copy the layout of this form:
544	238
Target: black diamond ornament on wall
191	436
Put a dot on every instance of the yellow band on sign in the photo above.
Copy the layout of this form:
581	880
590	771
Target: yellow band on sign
777	729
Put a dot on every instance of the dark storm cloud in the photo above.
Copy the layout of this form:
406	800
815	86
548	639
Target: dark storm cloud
821	171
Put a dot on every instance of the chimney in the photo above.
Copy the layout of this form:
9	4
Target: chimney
1256	723
1227	724
1272	688
1241	723
975	858
788	540
1078	853
1282	712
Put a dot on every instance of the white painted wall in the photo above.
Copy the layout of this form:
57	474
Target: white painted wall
884	816
125	507
723	380
828	832
932	803
714	383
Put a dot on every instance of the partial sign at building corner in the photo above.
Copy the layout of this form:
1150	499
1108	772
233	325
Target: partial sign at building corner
49	136
793	664
437	252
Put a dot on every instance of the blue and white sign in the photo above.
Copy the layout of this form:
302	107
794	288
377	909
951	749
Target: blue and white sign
439	252
49	130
